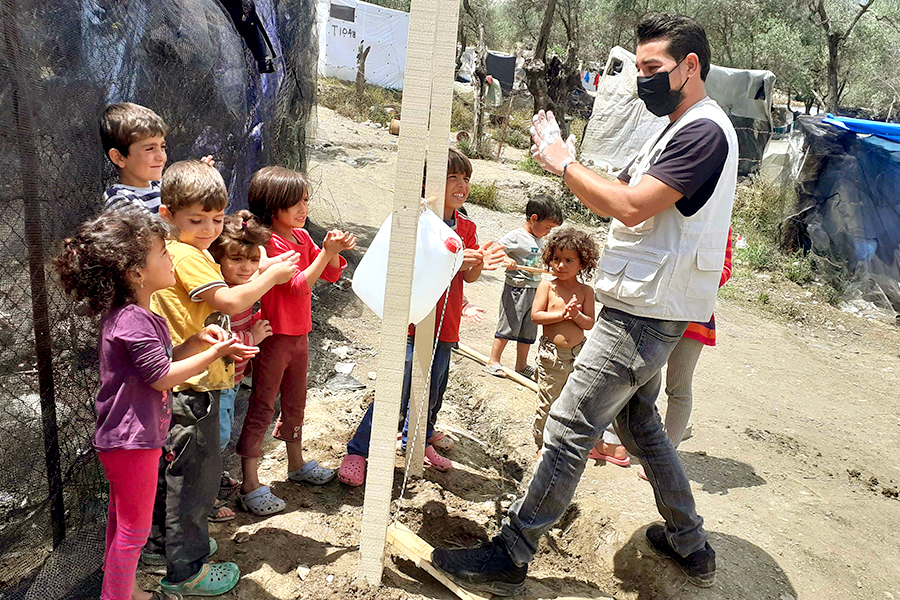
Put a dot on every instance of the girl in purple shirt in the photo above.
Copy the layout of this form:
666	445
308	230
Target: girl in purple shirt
112	265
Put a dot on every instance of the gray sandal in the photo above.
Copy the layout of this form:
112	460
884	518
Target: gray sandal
261	502
314	473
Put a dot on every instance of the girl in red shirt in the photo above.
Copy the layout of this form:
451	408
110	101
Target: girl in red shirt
279	199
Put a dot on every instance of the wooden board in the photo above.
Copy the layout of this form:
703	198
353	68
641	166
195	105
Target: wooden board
415	109
481	358
443	63
411	547
532	270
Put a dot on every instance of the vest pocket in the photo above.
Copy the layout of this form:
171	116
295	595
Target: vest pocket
703	282
632	279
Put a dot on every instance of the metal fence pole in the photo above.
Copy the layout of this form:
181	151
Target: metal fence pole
22	90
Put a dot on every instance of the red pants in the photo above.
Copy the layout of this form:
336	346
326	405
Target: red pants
132	489
280	366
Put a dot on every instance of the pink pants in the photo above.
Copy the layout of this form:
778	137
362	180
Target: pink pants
132	476
280	366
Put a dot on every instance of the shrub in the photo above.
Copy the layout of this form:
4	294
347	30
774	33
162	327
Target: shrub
461	116
529	165
483	149
759	255
799	269
485	195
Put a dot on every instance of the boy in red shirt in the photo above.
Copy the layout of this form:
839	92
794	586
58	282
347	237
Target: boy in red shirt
353	467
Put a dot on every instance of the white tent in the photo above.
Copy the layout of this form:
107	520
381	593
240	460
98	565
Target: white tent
343	24
620	123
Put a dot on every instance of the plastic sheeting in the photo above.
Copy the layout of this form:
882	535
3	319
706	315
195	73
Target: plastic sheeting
60	64
620	122
848	206
344	24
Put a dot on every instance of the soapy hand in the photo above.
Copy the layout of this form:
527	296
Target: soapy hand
550	152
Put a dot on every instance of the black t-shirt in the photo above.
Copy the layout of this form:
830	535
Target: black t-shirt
691	164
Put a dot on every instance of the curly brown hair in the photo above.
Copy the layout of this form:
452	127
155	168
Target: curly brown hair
570	238
242	235
94	264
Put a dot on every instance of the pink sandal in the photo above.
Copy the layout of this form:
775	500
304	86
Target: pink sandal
433	459
353	470
595	454
442	441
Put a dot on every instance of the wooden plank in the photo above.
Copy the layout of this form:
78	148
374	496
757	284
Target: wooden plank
481	358
443	64
536	270
392	355
410	546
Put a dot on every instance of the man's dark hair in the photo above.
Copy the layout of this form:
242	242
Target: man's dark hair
544	207
684	34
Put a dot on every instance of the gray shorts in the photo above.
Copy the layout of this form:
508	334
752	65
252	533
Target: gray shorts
515	315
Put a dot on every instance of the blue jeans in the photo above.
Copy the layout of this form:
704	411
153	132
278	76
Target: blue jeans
440	372
226	415
616	376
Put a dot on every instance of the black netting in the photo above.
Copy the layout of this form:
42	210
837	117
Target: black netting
60	64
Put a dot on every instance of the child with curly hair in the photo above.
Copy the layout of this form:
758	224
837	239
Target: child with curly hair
564	306
237	250
113	264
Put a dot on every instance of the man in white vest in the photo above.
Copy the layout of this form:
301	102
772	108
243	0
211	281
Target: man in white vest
671	209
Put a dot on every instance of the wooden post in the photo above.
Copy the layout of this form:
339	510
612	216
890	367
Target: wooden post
415	109
435	185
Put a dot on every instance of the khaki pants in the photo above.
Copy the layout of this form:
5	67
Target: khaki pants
554	366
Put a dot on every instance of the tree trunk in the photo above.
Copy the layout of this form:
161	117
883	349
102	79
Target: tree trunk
478	87
361	56
834	42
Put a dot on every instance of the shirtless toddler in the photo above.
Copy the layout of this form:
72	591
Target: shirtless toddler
564	306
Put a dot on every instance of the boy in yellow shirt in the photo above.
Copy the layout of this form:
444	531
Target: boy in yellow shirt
194	199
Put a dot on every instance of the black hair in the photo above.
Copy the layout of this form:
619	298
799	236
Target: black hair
94	264
544	207
684	34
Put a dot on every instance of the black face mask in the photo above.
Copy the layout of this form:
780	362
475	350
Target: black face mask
660	99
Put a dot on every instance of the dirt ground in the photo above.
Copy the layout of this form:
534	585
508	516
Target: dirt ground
794	459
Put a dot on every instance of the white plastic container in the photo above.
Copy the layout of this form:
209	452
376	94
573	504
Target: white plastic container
439	254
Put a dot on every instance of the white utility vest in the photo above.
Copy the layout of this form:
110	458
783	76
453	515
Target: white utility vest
669	266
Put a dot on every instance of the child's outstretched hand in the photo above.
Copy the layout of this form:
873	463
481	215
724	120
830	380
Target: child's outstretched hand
472	257
472	313
208	159
233	347
212	335
282	271
260	331
265	261
336	241
493	255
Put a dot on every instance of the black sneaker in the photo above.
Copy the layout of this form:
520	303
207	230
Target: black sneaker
700	566
484	568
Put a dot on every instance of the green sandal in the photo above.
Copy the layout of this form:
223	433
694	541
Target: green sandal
212	580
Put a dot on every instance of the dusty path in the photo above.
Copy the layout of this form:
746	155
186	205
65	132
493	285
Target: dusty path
794	459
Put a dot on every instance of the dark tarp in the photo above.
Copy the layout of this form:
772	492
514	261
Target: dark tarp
503	67
848	206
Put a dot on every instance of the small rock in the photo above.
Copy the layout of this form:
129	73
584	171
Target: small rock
241	536
330	578
302	572
373	375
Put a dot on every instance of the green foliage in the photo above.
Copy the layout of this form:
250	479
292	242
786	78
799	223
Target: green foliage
759	207
799	269
529	165
485	195
340	96
759	255
461	115
484	149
